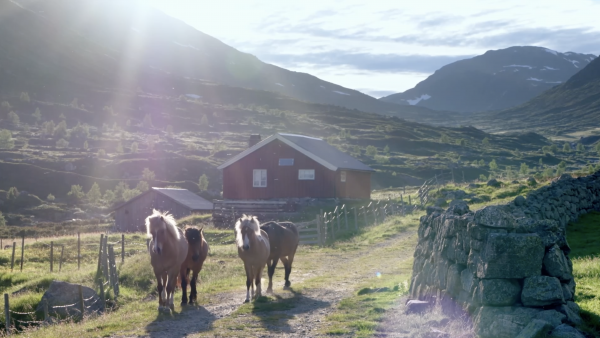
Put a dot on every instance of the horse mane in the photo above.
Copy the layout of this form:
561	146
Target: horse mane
167	218
189	231
250	221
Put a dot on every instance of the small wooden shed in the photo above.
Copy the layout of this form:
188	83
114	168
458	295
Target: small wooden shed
294	166
130	215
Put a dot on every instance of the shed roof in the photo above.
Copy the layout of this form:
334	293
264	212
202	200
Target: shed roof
182	196
315	148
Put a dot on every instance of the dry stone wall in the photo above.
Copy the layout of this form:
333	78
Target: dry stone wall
507	266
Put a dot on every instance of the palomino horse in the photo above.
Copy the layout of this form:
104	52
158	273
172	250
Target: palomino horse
197	253
253	248
283	238
168	249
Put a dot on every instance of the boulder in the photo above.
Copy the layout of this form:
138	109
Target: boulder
440	202
531	181
541	291
556	265
511	256
502	322
520	201
63	293
458	207
571	311
565	331
494	216
536	329
499	292
493	183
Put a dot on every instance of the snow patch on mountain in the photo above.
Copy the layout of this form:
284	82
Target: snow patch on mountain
553	81
193	96
423	97
279	84
551	51
520	66
549	68
573	62
534	79
341	93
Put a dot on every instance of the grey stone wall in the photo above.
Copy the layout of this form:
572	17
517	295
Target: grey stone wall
507	266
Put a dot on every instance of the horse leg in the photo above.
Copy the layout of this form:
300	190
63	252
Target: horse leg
159	288
172	281
287	264
257	282
164	294
271	271
193	294
183	276
248	281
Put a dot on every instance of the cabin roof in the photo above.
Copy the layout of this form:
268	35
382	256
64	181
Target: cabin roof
315	148
181	196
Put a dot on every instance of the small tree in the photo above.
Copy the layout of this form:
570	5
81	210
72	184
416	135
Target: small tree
86	146
580	147
170	130
62	117
131	193
12	193
524	169
81	131
94	195
37	115
50	198
371	151
2	220
134	147
203	182
61	130
48	128
493	165
120	148
567	147
462	142
546	149
386	150
485	142
148	175
76	192
13	118
554	148
6	140
562	164
147	121
101	153
109	196
481	163
142	186
445	138
356	150
482	177
62	143
25	97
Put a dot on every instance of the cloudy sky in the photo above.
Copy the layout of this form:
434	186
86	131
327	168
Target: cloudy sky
384	47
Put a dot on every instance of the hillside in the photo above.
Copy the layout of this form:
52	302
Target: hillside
496	80
130	45
573	106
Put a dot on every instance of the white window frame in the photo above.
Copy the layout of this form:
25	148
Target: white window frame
286	165
262	181
343	176
302	174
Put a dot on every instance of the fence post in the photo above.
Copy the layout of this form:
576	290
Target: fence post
365	214
346	215
51	256
45	303
337	217
1	245
102	296
62	250
374	215
81	305
105	258
22	250
78	250
100	250
409	201
113	271
355	220
12	260
332	228
122	248
6	314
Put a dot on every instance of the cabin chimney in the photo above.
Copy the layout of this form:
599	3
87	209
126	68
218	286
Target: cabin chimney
254	139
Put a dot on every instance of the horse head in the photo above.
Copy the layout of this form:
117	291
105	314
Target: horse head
247	230
159	226
195	239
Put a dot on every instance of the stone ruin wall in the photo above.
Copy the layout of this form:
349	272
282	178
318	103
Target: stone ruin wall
507	266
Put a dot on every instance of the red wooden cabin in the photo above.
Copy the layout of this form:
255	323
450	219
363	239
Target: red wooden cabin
294	166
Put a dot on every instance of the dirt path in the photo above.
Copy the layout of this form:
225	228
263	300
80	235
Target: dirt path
301	314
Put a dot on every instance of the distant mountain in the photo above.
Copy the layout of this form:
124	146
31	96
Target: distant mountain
496	80
121	42
574	105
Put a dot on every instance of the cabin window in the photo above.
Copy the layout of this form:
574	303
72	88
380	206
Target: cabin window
260	178
286	162
343	176
306	174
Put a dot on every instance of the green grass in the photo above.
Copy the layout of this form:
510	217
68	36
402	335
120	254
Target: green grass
584	240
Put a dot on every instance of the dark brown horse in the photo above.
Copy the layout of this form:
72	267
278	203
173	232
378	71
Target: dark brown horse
196	255
283	239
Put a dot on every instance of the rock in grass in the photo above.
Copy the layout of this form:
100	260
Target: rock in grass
418	306
63	293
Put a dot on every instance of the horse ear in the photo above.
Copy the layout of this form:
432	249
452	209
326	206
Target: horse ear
201	229
162	218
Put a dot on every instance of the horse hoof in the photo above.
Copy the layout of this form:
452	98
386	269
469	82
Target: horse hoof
247	300
184	303
286	287
269	291
171	307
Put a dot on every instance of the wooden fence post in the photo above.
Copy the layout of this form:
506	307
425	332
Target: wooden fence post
62	251
365	214
51	256
374	215
409	201
12	260
332	228
100	250
346	215
105	258
22	250
1	246
319	230
6	314
122	248
102	295
355	220
337	217
114	282
81	305
78	250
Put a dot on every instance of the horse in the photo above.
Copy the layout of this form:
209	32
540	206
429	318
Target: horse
283	239
253	248
168	249
196	255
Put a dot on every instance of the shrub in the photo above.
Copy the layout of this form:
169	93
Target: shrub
567	147
142	186
61	129
12	193
37	115
485	141
382	159
62	143
148	175
482	177
580	147
101	153
13	118
203	182
445	138
6	140
94	195
371	151
120	148
81	131
524	169
493	165
109	196
50	198
386	150
76	192
131	193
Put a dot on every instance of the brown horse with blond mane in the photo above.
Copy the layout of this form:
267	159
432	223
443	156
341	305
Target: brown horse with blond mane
168	249
196	255
253	248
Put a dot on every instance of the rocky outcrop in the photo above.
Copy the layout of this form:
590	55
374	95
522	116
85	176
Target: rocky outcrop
508	265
